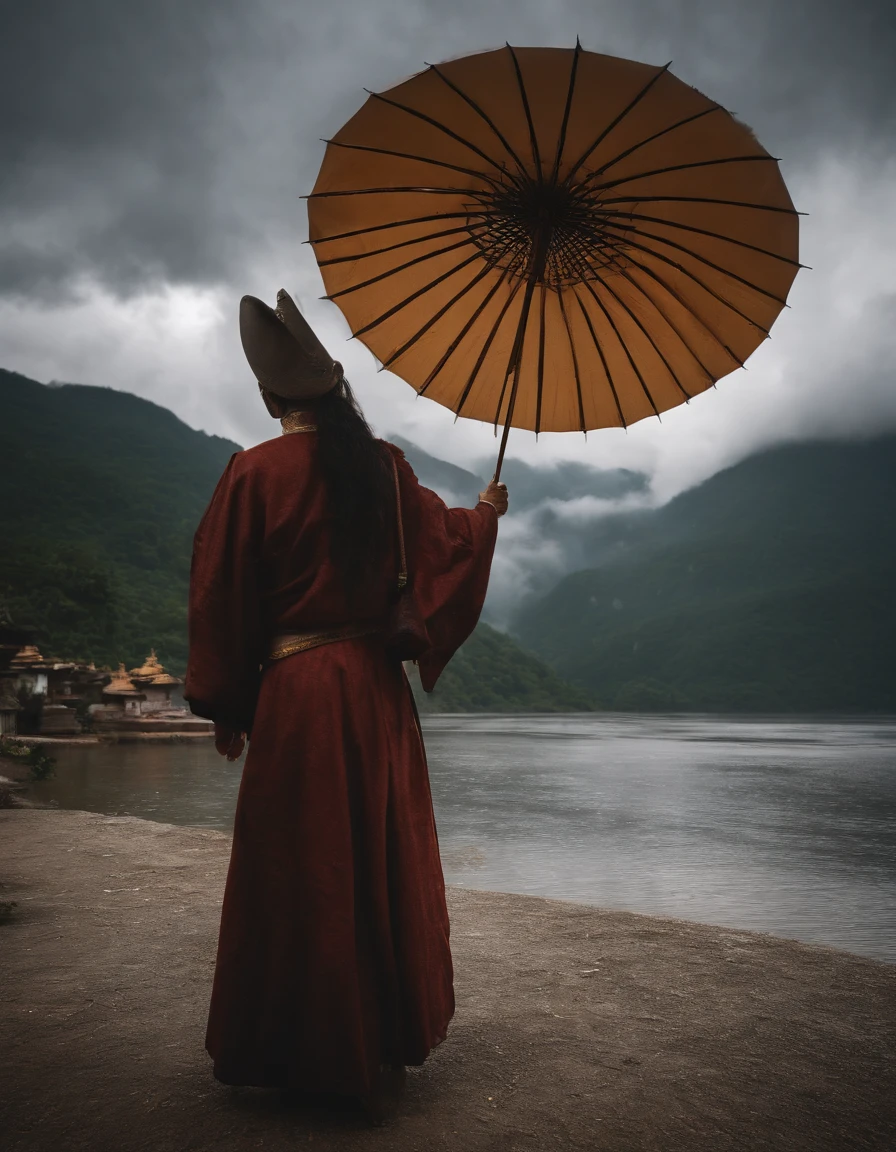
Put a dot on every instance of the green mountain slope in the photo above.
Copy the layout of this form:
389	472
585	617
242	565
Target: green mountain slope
492	674
768	588
457	486
102	492
101	495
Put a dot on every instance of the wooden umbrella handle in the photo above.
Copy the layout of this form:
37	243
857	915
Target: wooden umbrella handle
497	475
536	270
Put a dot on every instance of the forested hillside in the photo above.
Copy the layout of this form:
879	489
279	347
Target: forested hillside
101	495
491	674
768	588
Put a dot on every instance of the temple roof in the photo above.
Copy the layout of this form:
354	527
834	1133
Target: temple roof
121	685
150	667
27	655
165	678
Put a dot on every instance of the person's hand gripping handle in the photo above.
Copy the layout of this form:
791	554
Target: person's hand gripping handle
496	495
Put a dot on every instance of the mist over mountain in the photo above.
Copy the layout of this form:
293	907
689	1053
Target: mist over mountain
563	516
770	587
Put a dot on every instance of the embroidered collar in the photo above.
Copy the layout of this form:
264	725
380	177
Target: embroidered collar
297	422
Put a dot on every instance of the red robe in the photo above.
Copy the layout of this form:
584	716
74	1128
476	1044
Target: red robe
333	954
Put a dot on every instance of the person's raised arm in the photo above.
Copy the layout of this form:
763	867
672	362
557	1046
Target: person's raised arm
449	553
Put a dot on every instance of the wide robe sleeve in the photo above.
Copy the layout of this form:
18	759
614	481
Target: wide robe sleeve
449	554
225	628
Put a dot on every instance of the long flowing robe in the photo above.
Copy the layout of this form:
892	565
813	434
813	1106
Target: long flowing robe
333	955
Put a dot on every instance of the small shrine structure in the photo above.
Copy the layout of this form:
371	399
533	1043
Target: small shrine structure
140	702
156	685
51	697
52	694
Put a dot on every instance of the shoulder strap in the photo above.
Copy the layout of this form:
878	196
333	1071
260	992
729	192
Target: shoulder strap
403	572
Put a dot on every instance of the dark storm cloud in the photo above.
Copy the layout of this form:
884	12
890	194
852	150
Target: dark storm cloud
168	142
109	165
152	156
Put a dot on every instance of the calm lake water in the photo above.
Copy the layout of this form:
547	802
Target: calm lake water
781	826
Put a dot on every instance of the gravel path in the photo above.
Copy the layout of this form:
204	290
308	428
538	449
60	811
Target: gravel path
576	1027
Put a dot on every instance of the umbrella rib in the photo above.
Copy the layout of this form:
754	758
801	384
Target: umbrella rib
421	259
438	125
424	328
653	344
681	168
708	263
533	139
693	276
674	327
482	114
455	343
639	96
675	296
540	362
575	360
391	224
707	232
697	200
400	244
581	252
623	345
603	358
410	156
485	348
416	294
561	143
650	139
432	190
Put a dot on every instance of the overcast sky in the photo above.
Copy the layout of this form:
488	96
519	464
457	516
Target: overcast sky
154	155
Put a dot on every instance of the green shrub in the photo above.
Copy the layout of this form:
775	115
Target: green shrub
42	766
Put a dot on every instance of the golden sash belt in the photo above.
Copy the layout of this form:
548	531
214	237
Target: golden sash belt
291	642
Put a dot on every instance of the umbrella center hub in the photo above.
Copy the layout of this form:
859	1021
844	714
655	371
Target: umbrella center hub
564	234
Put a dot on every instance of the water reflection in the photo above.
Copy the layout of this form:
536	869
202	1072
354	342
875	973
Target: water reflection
783	826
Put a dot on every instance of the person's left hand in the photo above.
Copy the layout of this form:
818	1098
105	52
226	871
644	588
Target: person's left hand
229	742
496	495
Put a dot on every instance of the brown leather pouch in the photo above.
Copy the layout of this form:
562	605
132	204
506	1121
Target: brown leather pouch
406	634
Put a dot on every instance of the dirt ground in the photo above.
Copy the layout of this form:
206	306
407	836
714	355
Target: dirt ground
576	1027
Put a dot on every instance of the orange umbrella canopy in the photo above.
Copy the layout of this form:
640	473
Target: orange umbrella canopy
553	239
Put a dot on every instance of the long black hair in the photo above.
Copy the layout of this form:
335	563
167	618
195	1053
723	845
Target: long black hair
360	487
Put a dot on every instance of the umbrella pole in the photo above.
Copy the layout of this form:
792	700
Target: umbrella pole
536	267
501	450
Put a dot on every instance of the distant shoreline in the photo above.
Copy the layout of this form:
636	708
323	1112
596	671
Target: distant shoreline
112	738
106	738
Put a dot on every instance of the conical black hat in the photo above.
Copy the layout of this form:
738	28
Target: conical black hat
283	351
